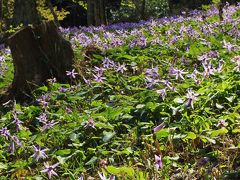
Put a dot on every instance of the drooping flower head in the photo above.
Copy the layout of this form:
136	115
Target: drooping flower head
159	127
190	97
158	162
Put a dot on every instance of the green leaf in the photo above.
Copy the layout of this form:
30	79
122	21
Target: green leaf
210	140
191	135
104	126
219	106
236	130
121	170
218	132
113	170
127	170
25	134
3	166
92	161
140	106
63	152
162	133
231	98
74	136
107	136
43	88
178	100
61	160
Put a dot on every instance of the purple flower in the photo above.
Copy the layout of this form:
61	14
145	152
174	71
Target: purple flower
222	123
44	100
11	148
121	67
48	125
178	73
98	70
103	163
191	96
5	132
71	74
158	162
107	63
38	153
208	70
162	92
50	170
90	123
151	81
68	110
62	90
42	118
103	177
168	84
152	72
230	47
87	81
236	59
81	178
98	77
14	141
159	127
17	121
194	76
202	161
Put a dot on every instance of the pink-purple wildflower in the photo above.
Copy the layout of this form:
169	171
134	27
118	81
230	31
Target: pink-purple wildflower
71	74
158	162
191	96
50	169
39	153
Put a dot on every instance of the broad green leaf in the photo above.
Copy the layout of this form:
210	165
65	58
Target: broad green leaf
63	152
121	170
210	140
107	136
162	133
3	166
231	98
191	135
92	161
236	130
43	88
140	106
178	100
219	106
74	136
218	132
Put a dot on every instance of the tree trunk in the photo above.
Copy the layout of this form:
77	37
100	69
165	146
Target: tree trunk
143	9
38	53
1	15
25	12
96	12
90	12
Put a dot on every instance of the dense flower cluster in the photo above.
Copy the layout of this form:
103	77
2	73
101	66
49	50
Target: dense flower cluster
193	56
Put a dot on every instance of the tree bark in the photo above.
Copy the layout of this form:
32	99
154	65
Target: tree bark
25	12
96	12
1	15
38	53
90	12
